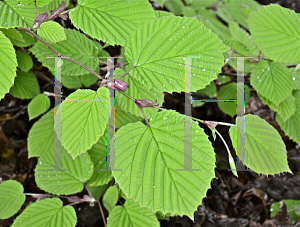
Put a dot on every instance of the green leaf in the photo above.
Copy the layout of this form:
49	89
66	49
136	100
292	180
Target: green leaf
52	32
229	91
291	127
276	32
224	79
189	11
292	206
111	21
11	198
41	136
203	3
243	37
131	215
26	86
47	212
296	78
122	118
210	90
38	105
55	3
28	40
43	2
76	82
110	198
64	177
96	191
209	19
85	115
137	91
249	64
98	154
8	64
150	158
24	61
101	52
238	47
264	149
272	80
175	6
285	109
25	1
232	10
14	14
159	14
158	62
12	33
77	46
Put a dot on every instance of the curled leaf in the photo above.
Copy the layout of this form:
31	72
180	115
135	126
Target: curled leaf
55	13
145	103
40	19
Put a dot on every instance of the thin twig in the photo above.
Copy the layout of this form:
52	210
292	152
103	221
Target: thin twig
220	123
146	119
64	12
102	214
125	73
58	54
121	202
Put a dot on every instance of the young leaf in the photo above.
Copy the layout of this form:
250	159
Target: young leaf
14	14
159	14
232	10
85	115
151	157
272	80
291	127
175	6
276	32
98	154
264	149
137	91
8	64
76	82
77	46
38	105
47	212
11	198
26	86
41	136
52	32
12	33
66	177
243	37
24	61
285	109
110	198
28	40
210	20
229	91
158	62
130	215
111	21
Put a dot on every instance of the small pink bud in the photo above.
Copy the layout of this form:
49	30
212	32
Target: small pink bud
145	103
211	124
120	64
55	13
63	16
88	198
39	20
119	85
75	199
